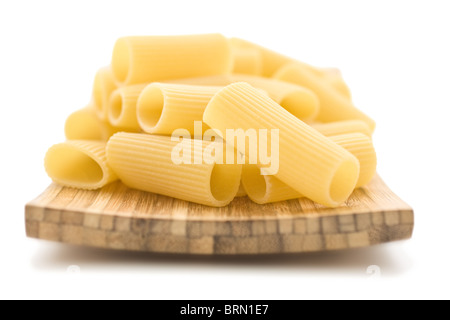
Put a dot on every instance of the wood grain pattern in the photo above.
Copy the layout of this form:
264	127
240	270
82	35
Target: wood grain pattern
117	217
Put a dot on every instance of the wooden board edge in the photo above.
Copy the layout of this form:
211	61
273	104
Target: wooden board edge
257	237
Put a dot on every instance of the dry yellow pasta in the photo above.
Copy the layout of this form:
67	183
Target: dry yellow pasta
333	105
267	189
147	59
79	164
334	77
247	61
104	85
205	118
145	162
83	124
264	189
122	106
271	60
309	162
299	101
342	127
163	107
362	148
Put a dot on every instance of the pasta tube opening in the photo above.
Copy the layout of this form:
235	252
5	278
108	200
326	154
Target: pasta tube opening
308	162
303	106
160	165
222	177
343	180
116	107
150	107
78	164
163	108
148	59
254	183
264	189
104	85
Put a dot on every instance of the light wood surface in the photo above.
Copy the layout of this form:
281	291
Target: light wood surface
117	217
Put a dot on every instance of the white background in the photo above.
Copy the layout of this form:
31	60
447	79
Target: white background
395	57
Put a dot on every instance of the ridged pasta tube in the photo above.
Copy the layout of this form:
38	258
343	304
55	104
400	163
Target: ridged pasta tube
271	60
299	101
342	127
266	189
122	106
79	164
361	146
84	124
145	162
146	59
104	85
247	61
310	163
162	107
333	105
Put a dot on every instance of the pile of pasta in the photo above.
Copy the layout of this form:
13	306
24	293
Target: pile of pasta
155	85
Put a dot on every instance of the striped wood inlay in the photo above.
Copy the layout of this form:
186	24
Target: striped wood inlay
117	217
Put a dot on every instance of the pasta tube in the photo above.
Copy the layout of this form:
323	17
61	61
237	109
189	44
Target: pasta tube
333	105
247	61
122	106
154	58
79	164
162	108
83	124
299	101
264	189
104	85
342	127
271	60
334	77
361	146
309	162
145	162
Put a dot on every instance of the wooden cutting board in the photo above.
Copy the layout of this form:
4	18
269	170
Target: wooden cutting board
117	217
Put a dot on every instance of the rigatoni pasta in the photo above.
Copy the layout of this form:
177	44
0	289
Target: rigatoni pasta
206	119
264	189
342	127
104	85
162	108
333	105
122	107
144	59
247	61
145	162
83	124
309	162
79	164
300	101
334	77
362	148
